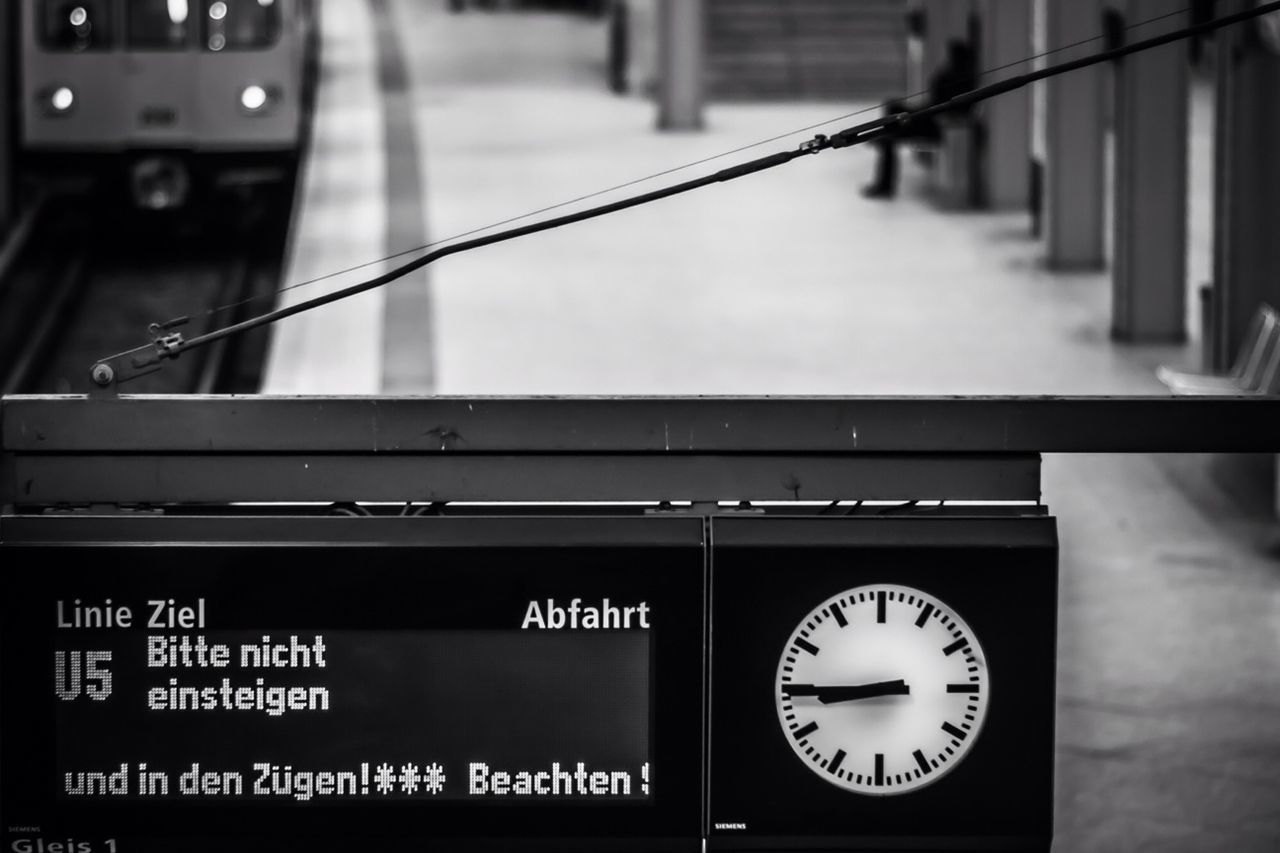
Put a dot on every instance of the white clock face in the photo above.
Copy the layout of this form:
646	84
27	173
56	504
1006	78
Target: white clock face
882	689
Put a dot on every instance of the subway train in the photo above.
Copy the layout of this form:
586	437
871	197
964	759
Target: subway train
165	99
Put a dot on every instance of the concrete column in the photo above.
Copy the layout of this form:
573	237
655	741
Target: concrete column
681	25
1039	43
915	51
642	47
8	56
1149	276
1246	242
1074	169
1006	153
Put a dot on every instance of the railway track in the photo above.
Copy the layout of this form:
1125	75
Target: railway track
79	281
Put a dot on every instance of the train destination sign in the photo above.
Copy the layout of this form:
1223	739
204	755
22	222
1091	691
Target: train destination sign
297	677
504	690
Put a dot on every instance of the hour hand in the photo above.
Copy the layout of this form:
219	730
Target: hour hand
828	693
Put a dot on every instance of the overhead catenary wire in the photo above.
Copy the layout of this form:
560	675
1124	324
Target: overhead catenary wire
661	174
148	357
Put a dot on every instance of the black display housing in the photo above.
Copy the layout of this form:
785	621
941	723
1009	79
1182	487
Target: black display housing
359	574
999	574
716	766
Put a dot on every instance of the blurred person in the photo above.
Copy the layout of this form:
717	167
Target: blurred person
959	74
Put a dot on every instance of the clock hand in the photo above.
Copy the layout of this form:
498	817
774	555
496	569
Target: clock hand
828	693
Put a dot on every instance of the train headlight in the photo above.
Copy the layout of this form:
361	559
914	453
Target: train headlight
253	98
56	100
62	99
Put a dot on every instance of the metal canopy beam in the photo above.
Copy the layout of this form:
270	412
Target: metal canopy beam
216	479
209	426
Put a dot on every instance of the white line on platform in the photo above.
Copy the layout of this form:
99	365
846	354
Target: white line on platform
338	348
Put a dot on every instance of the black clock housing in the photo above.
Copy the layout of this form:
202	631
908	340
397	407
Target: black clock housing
767	573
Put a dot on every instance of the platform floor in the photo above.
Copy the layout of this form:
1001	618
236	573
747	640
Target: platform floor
432	125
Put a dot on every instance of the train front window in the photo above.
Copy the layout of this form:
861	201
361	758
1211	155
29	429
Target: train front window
76	25
241	24
159	24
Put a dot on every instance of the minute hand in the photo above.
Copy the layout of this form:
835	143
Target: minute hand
828	693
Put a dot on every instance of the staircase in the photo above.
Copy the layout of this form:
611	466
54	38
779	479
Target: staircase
805	49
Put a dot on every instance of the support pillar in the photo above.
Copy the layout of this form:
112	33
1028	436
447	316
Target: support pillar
681	25
1006	152
8	53
1074	169
1246	191
916	23
1149	277
1246	244
642	47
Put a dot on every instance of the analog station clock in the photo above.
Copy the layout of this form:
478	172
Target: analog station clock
882	689
882	683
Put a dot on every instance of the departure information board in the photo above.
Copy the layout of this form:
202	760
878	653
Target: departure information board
553	683
496	690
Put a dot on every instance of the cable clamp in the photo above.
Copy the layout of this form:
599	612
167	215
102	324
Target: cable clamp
169	346
812	146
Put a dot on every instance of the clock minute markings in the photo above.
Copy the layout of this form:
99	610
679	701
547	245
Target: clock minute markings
806	730
807	646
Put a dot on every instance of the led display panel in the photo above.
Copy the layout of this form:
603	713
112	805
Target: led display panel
467	684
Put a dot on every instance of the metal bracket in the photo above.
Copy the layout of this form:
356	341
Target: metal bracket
132	364
814	145
705	508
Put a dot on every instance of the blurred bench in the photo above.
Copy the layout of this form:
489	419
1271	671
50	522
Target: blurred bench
1255	371
955	166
